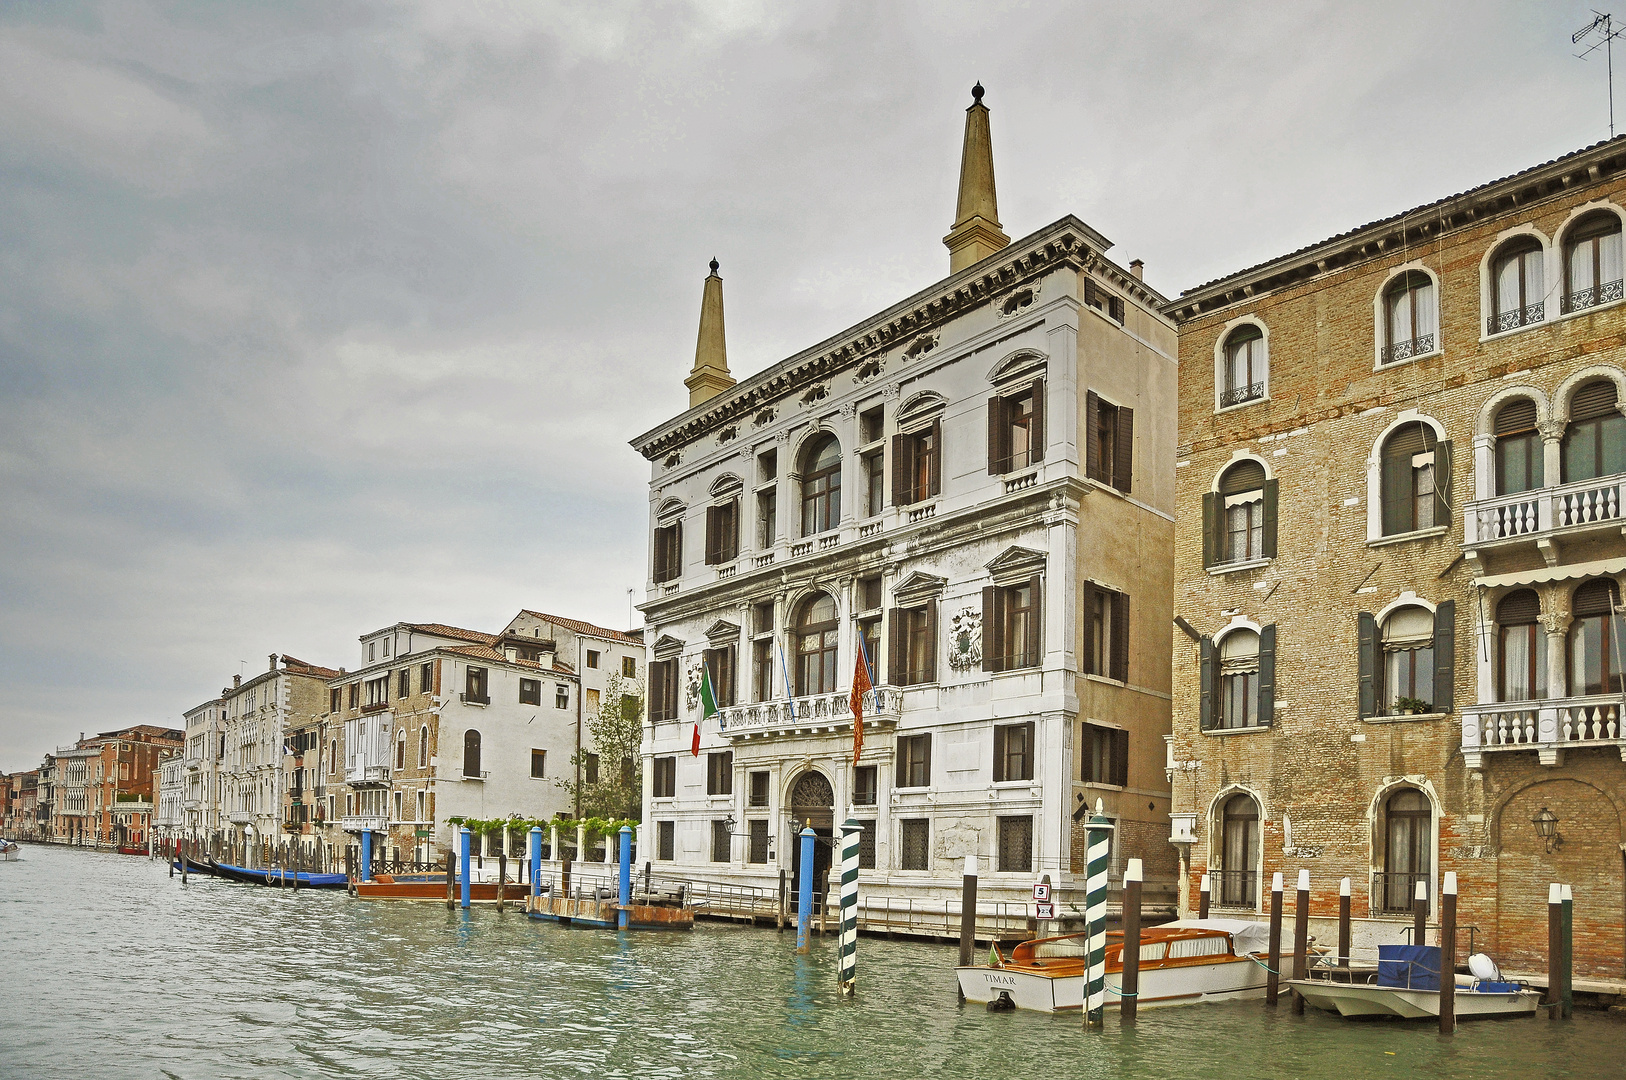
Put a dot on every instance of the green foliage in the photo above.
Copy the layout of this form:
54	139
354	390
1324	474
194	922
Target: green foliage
596	827
611	772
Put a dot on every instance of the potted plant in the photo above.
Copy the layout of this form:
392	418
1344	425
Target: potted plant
1410	706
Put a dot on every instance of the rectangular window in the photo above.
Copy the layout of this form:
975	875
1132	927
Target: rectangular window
917	464
866	845
720	773
403	683
474	684
1016	845
721	842
871	425
915	761
530	691
665	782
1016	429
1245	526
720	666
1011	626
723	533
1109	440
869	594
629	667
668	552
1013	752
759	789
869	636
378	692
759	841
590	769
539	760
762	669
666	843
1106	755
920	645
767	517
426	678
1106	632
592	658
917	836
864	785
663	691
561	696
767	466
874	482
334	700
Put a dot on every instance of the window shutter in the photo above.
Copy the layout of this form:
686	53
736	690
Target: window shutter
1267	674
1036	433
658	571
993	647
674	552
1123	455
902	763
997	455
897	656
1443	463
928	776
1445	654
1366	640
1396	493
930	674
1032	754
1211	514
1205	684
1516	417
714	546
1593	399
1089	629
999	752
1267	544
1037	634
902	489
936	478
1120	637
1120	758
1092	435
1090	296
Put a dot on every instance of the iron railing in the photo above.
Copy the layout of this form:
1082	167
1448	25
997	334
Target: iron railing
1528	315
1236	395
1237	888
1393	893
1598	294
1405	350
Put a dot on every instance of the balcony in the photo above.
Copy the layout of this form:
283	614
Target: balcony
818	712
1504	321
1545	514
362	775
241	817
359	823
1607	293
1395	893
1548	727
1239	395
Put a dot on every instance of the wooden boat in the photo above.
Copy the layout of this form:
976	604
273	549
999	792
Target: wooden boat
593	908
1181	963
130	849
1407	985
433	887
193	866
276	876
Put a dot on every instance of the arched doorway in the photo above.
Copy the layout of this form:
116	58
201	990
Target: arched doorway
812	804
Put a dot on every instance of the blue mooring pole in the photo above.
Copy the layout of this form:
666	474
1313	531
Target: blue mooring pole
804	894
463	836
366	856
536	858
625	838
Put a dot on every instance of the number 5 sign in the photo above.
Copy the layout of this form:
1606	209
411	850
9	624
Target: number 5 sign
1041	892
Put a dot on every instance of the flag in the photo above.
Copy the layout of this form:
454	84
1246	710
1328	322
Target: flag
708	705
790	693
861	684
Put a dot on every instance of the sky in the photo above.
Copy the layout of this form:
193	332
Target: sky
320	316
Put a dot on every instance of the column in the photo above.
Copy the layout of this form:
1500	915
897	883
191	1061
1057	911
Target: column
1485	655
1484	466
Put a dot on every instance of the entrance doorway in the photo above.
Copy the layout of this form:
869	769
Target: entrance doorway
812	803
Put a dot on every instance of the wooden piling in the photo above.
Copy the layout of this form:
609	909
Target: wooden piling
502	875
184	854
1273	971
451	880
1419	915
1343	923
1448	954
1204	895
1555	950
968	914
1301	936
781	899
564	878
1566	930
1129	983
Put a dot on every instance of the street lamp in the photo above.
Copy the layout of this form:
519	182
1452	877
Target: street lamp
1546	823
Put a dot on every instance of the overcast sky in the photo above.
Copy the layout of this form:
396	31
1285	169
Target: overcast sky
319	316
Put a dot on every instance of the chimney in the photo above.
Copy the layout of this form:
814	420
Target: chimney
273	661
976	233
1136	267
545	657
236	681
710	375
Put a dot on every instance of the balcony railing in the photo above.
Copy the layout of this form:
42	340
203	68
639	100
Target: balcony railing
1534	514
1585	298
884	705
357	823
1394	894
367	774
1235	888
1405	350
1548	727
1236	395
1504	321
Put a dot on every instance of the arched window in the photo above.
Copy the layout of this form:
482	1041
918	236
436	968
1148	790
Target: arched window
1406	842
1416	479
1522	674
1242	486
1247	375
816	626
1517	288
1597	640
821	486
400	750
423	747
1239	852
1592	261
1408	661
471	753
1239	680
1595	440
1518	448
1411	318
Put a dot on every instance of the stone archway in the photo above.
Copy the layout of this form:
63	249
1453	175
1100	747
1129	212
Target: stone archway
813	801
1589	860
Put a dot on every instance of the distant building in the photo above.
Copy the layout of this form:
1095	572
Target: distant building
201	784
169	817
103	785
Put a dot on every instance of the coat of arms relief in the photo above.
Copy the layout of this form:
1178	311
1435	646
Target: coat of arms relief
965	640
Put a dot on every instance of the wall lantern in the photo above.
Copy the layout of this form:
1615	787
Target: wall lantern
1546	823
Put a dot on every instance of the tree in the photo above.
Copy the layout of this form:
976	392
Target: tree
611	774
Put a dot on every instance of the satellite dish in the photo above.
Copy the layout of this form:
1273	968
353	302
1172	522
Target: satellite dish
1484	968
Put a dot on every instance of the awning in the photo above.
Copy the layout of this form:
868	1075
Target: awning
1553	573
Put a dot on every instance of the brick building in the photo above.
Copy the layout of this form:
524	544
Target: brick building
1398	560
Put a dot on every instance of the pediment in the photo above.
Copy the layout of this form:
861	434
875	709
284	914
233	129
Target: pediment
919	585
1022	364
668	646
722	632
1016	562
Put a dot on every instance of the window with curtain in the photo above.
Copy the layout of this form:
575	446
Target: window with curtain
1595	439
1408	658
1243	488
1597	640
1410	479
821	486
816	626
1522	647
1592	266
1518	448
1239	680
1407	817
1246	375
1518	287
1411	317
1239	852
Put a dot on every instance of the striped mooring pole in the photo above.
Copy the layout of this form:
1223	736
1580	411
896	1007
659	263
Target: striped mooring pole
1098	835
851	830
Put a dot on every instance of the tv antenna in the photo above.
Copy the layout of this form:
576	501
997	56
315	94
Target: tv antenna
1604	27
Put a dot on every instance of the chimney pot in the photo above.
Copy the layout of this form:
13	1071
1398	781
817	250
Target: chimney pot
273	661
1136	267
236	681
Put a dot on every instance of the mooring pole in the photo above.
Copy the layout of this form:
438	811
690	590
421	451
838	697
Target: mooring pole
1555	950
536	861
463	867
1204	893
781	916
804	891
1419	915
1448	954
367	855
1129	983
1301	937
502	874
451	876
1097	843
848	941
624	839
1273	972
1567	934
968	912
1343	923
183	855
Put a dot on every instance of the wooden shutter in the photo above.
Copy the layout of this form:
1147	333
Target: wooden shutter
1120	637
935	477
1267	545
993	644
1090	296
1123	454
1516	417
1089	628
1036	630
1213	511
714	537
1366	642
1445	654
1092	435
1593	399
1442	482
998	429
901	765
1205	684
1036	431
897	656
674	553
1267	675
928	770
902	460
930	672
658	571
1028	759
1000	731
1120	759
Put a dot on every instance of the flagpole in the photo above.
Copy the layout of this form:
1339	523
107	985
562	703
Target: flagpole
790	691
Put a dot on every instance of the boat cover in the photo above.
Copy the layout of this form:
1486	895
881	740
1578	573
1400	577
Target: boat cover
1412	967
1246	937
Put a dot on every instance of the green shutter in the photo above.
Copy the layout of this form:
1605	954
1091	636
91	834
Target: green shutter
1445	654
1268	545
1267	675
1366	636
1205	685
1443	462
1211	514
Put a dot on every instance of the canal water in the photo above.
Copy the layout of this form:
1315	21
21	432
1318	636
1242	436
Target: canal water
111	968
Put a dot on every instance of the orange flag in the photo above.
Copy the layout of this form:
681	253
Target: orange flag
861	685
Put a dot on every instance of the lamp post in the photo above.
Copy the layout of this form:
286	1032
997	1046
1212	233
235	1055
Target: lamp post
1546	823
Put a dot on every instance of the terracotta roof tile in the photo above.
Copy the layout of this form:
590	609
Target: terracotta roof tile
585	629
442	630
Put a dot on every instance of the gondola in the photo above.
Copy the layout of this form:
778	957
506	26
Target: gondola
193	866
272	875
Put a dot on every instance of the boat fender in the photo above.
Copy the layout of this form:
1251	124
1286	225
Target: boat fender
1002	1003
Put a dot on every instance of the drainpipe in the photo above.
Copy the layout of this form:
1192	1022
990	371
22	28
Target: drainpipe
581	681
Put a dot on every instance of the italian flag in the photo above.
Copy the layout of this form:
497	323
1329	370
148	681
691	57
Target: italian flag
708	706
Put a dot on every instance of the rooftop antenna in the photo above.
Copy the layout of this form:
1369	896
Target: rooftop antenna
1603	26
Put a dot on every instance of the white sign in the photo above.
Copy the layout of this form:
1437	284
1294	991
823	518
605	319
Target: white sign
1044	911
1041	891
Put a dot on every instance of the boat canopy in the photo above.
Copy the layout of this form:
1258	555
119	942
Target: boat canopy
1246	937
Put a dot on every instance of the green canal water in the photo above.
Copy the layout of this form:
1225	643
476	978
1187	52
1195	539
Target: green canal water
110	968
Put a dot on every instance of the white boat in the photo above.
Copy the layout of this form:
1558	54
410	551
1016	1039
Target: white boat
10	851
1181	963
1480	993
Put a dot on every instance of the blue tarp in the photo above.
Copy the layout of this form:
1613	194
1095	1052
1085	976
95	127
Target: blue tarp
1416	967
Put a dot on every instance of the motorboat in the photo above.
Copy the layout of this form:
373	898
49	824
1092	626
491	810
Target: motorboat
1181	963
277	876
1407	985
10	850
432	886
598	906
